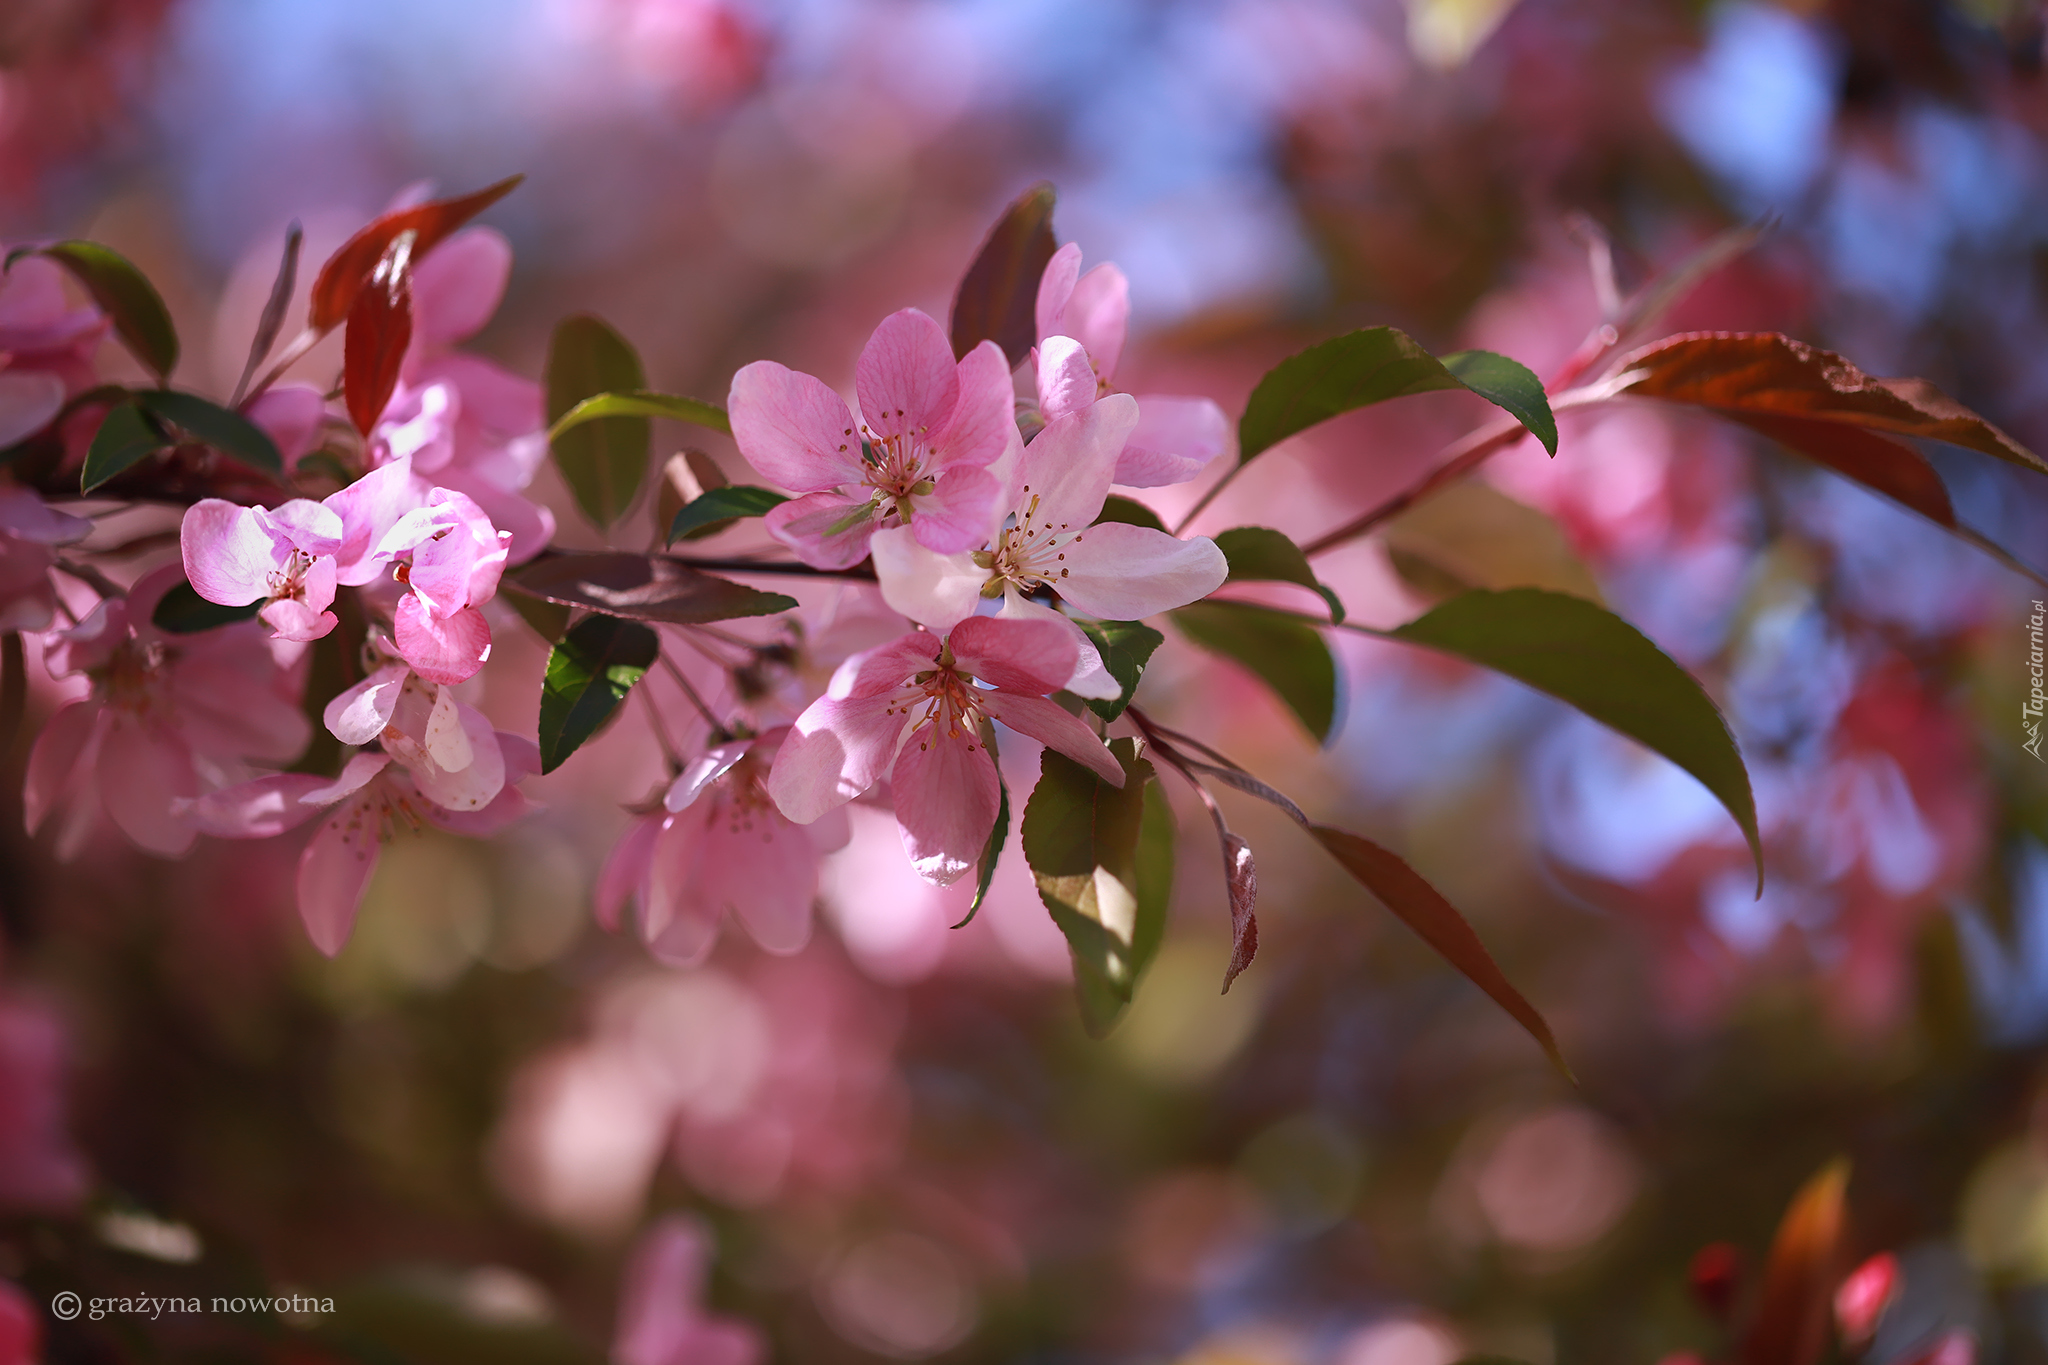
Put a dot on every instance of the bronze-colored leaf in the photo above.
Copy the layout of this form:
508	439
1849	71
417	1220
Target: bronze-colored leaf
1797	1298
349	269
642	587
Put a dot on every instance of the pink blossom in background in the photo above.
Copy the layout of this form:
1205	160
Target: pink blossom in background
40	1171
168	719
441	764
661	1314
720	846
30	532
21	1327
46	347
1082	321
922	691
934	426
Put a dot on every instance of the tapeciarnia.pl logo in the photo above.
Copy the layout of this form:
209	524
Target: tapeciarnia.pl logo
2037	700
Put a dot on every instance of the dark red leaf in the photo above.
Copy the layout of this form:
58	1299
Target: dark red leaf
1423	908
348	270
379	330
1241	875
1772	375
1893	469
642	588
1792	1316
998	296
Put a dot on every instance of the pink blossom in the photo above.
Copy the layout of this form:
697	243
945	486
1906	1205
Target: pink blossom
1082	320
46	347
720	846
21	1327
661	1317
29	529
912	709
441	764
169	717
1043	535
456	559
919	455
293	556
40	1171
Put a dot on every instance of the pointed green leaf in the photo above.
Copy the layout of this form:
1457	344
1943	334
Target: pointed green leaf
589	674
603	460
1587	656
125	438
1472	535
1103	860
642	588
1261	554
1371	366
719	508
1509	385
181	611
1125	647
124	294
1130	511
642	403
222	428
998	296
1287	655
1423	908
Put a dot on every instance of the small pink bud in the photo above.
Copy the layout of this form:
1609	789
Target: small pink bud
1861	1300
1715	1275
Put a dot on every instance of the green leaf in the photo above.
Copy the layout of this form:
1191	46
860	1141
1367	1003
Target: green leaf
1130	511
222	428
720	507
985	868
1423	908
1287	655
182	611
1103	861
125	438
549	619
1587	656
1371	366
642	403
1125	647
1509	385
124	294
589	674
1472	535
1261	554
642	588
998	296
605	460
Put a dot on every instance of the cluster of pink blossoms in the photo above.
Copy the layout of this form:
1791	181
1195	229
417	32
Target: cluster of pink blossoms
973	532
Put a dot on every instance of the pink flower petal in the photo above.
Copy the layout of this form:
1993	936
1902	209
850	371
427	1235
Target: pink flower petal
701	771
449	651
1175	439
946	798
53	764
143	772
881	670
793	428
257	809
984	421
24	514
1027	655
836	750
308	526
1068	466
661	1321
474	784
1066	381
1121	572
459	566
360	714
1089	679
624	870
1050	724
958	514
1097	314
228	555
822	529
335	869
932	589
296	621
28	400
369	508
677	925
763	870
1055	287
356	774
457	286
907	379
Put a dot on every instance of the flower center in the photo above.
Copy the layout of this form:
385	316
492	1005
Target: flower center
132	676
288	583
951	704
1029	552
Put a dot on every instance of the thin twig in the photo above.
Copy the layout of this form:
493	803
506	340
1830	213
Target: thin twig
1202	503
91	577
661	735
717	725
